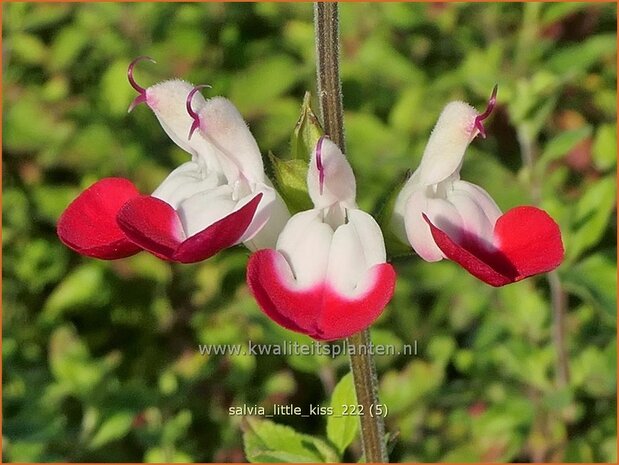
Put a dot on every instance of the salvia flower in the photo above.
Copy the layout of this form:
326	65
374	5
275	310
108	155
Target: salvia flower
327	277
442	216
218	199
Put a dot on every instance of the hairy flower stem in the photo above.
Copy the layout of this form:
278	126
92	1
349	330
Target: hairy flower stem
366	388
328	71
330	97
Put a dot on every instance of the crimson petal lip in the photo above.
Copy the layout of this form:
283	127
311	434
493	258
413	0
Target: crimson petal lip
529	243
88	225
155	226
152	224
319	312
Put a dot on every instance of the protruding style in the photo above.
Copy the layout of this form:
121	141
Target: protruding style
194	116
141	98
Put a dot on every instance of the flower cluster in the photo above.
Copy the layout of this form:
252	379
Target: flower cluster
442	216
218	199
322	272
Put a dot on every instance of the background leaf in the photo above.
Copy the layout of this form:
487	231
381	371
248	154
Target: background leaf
266	441
89	343
342	429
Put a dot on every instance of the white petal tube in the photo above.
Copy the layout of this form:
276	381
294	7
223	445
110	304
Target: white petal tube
305	242
481	198
223	126
356	247
268	222
399	208
442	214
477	210
184	182
205	208
370	235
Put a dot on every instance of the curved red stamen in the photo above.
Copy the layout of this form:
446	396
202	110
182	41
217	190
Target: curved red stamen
195	116
319	165
491	104
134	84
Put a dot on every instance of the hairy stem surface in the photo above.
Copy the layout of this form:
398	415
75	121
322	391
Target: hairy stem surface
331	109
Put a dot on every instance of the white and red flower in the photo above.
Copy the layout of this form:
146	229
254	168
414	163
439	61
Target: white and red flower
327	277
442	216
218	199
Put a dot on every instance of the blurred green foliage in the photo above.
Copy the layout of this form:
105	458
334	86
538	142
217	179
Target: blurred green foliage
101	360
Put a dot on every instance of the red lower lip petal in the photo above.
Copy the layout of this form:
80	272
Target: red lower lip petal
155	226
88	225
320	311
528	240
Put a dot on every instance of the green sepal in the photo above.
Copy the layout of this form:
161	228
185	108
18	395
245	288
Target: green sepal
290	175
290	178
306	133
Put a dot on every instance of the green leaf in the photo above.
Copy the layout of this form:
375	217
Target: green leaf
486	170
41	263
580	57
403	389
23	451
112	428
85	286
594	280
22	135
27	48
593	213
263	82
72	365
291	180
555	12
51	200
595	372
265	441
175	429
342	429
526	321
115	95
463	453
306	132
67	46
538	119
441	349
43	16
530	95
163	455
388	340
563	143
605	147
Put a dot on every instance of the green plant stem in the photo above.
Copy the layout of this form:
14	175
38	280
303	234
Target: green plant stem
328	71
366	388
559	309
558	297
330	97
